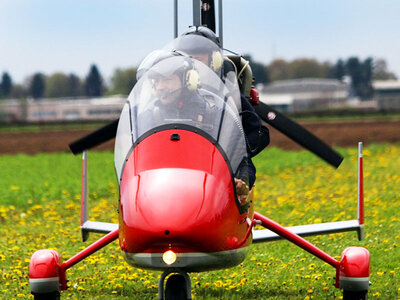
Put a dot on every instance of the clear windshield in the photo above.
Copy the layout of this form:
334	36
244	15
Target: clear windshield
182	90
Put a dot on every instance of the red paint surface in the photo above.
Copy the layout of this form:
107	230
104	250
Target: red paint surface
296	239
355	262
44	264
361	191
100	243
178	195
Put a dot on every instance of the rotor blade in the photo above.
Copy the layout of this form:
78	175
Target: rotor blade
95	138
208	14
298	134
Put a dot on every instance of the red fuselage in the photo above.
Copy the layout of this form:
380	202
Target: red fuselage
176	193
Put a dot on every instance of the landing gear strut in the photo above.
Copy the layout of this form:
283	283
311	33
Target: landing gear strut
178	286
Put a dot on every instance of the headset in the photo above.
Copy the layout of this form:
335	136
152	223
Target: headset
192	79
216	61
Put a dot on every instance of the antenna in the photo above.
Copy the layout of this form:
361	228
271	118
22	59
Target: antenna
175	19
220	27
196	12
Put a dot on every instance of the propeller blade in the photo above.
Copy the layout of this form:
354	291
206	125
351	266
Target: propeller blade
299	134
95	138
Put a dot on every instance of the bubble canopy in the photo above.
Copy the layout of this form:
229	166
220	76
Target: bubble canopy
182	91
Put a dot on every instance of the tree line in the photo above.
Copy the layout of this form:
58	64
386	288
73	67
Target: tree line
361	72
59	85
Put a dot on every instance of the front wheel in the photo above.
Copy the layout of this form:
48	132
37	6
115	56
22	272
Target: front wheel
355	295
176	288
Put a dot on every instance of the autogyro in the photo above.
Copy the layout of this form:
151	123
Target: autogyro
179	211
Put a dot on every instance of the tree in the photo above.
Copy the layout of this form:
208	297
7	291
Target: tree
353	69
57	85
380	71
94	83
367	70
361	76
6	85
338	71
37	86
123	81
306	68
279	70
326	68
259	71
19	91
74	86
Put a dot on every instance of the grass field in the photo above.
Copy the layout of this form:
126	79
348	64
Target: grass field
39	208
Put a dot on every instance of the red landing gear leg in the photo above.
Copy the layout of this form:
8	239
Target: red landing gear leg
352	271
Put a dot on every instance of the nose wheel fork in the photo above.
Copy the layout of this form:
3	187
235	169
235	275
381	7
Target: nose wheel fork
178	286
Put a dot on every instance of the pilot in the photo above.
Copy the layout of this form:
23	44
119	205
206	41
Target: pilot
257	135
176	93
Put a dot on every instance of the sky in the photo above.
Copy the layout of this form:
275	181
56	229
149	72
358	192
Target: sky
68	36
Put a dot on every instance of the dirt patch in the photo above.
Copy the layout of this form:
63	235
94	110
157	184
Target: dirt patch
343	134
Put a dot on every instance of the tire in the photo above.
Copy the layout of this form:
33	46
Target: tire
352	295
176	288
47	296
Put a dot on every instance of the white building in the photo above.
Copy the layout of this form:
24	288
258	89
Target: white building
60	110
387	94
304	94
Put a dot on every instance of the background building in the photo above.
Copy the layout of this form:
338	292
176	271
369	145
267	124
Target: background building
387	94
305	94
60	110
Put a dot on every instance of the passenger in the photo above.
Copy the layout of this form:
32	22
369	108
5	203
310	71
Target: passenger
257	135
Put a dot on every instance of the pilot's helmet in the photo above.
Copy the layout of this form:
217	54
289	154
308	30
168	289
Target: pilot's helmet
205	32
200	40
173	62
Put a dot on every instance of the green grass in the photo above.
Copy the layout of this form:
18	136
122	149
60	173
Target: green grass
39	208
37	179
